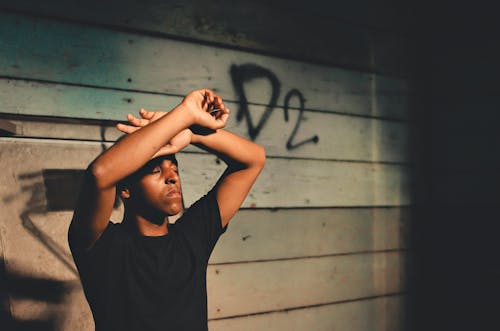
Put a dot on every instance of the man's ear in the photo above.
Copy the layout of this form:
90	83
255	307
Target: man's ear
125	193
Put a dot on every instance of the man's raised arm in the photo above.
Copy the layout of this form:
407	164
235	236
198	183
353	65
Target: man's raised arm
245	161
244	158
126	156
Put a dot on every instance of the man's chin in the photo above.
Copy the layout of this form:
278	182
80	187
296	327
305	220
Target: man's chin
173	209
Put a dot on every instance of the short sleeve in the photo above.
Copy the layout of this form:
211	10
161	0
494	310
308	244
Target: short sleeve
80	255
202	224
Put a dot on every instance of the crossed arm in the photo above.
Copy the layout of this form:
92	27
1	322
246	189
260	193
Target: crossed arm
160	133
244	158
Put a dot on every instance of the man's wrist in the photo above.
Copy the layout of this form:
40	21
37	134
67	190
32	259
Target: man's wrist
195	139
182	111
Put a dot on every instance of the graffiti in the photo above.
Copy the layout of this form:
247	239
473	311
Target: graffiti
241	74
245	73
102	131
290	144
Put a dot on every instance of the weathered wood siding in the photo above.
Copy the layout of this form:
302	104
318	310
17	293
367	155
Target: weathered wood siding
367	35
321	241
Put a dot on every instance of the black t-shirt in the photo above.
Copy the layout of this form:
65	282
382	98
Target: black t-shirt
133	282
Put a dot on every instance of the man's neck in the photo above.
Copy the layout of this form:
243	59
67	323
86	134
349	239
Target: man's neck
149	229
146	227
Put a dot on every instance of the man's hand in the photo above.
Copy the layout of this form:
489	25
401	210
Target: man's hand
200	103
176	144
137	123
157	133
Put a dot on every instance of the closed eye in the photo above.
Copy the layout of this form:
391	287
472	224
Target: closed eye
154	171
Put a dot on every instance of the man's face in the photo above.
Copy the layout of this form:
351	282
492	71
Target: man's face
160	187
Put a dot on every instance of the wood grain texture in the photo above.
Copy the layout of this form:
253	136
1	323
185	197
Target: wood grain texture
379	314
298	268
266	286
69	53
255	235
283	182
370	39
340	137
240	289
72	102
263	235
302	280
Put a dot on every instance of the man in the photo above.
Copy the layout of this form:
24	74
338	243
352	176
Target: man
145	274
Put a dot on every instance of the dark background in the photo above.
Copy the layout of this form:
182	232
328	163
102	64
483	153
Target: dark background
456	268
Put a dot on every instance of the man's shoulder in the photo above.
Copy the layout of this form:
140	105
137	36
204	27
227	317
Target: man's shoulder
203	205
115	231
113	235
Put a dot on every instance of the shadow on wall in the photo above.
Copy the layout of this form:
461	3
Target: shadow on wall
62	187
18	286
56	191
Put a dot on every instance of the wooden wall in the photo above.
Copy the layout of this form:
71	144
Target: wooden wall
321	240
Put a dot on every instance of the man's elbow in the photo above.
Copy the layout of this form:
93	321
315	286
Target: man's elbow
259	159
97	175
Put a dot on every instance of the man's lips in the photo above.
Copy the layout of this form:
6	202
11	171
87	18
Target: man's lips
174	194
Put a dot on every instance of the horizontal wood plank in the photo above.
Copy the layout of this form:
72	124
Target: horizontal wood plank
263	235
293	233
37	48
339	137
248	288
265	286
283	183
334	27
379	314
103	74
74	102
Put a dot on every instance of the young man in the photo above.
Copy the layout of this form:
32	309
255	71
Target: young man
145	274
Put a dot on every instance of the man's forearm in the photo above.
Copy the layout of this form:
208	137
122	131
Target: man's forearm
233	149
135	149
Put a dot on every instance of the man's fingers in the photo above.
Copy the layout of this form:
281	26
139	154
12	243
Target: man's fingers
205	102
224	111
218	102
221	121
224	118
207	93
137	121
209	97
146	114
126	128
166	150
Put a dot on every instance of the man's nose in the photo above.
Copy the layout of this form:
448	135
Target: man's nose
171	180
171	176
